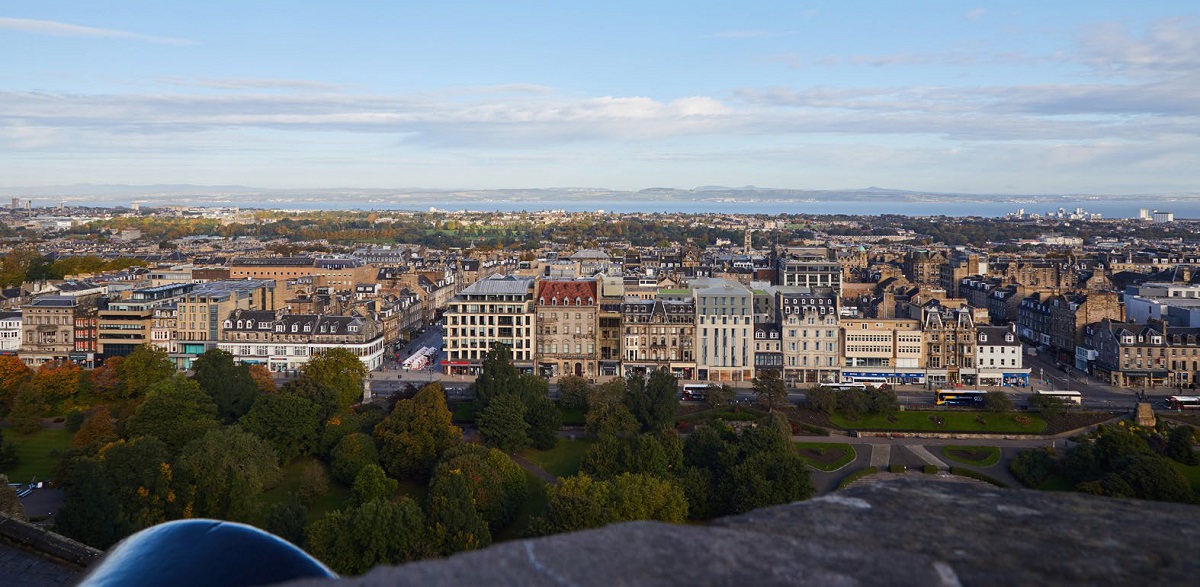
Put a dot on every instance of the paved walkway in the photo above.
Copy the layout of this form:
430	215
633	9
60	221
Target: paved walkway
881	455
532	467
924	454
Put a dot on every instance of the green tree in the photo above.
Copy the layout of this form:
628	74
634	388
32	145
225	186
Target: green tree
646	497
653	402
314	481
354	540
769	389
822	398
28	408
496	375
309	389
340	372
413	437
342	424
607	413
496	484
1152	477
997	401
89	512
228	469
352	453
1179	444
765	479
287	519
142	369
142	479
502	423
884	402
1032	466
455	523
229	384
573	392
544	421
372	483
175	411
718	396
289	422
854	403
581	502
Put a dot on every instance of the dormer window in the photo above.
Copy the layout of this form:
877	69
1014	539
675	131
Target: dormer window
982	338
229	324
278	328
295	327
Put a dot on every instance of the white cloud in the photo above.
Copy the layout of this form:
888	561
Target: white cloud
247	83
62	29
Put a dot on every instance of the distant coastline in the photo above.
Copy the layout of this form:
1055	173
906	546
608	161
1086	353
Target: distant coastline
711	199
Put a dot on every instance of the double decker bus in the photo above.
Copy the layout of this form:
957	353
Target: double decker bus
1183	402
959	397
1069	397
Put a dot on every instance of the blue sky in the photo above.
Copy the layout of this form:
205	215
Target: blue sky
1004	97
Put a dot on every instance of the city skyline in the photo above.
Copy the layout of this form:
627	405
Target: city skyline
1076	97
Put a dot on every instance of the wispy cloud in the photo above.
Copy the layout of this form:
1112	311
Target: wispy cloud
63	29
976	14
247	83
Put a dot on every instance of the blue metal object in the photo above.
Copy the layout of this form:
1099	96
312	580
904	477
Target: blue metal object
184	553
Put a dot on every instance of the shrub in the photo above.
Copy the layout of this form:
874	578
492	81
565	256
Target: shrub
897	468
1033	466
929	469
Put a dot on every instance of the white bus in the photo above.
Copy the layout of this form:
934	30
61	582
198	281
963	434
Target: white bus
1070	397
695	392
1183	402
844	386
879	382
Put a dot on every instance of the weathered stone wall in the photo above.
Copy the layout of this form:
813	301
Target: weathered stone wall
908	531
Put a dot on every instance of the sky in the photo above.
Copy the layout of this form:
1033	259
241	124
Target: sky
1012	97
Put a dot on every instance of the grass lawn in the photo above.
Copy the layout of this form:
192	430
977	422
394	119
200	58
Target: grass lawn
39	453
1191	472
334	499
945	421
562	460
826	456
572	417
534	506
976	456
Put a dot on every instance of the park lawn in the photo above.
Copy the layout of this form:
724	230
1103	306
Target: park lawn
534	506
826	456
572	416
1190	472
918	421
561	461
289	484
976	456
39	453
